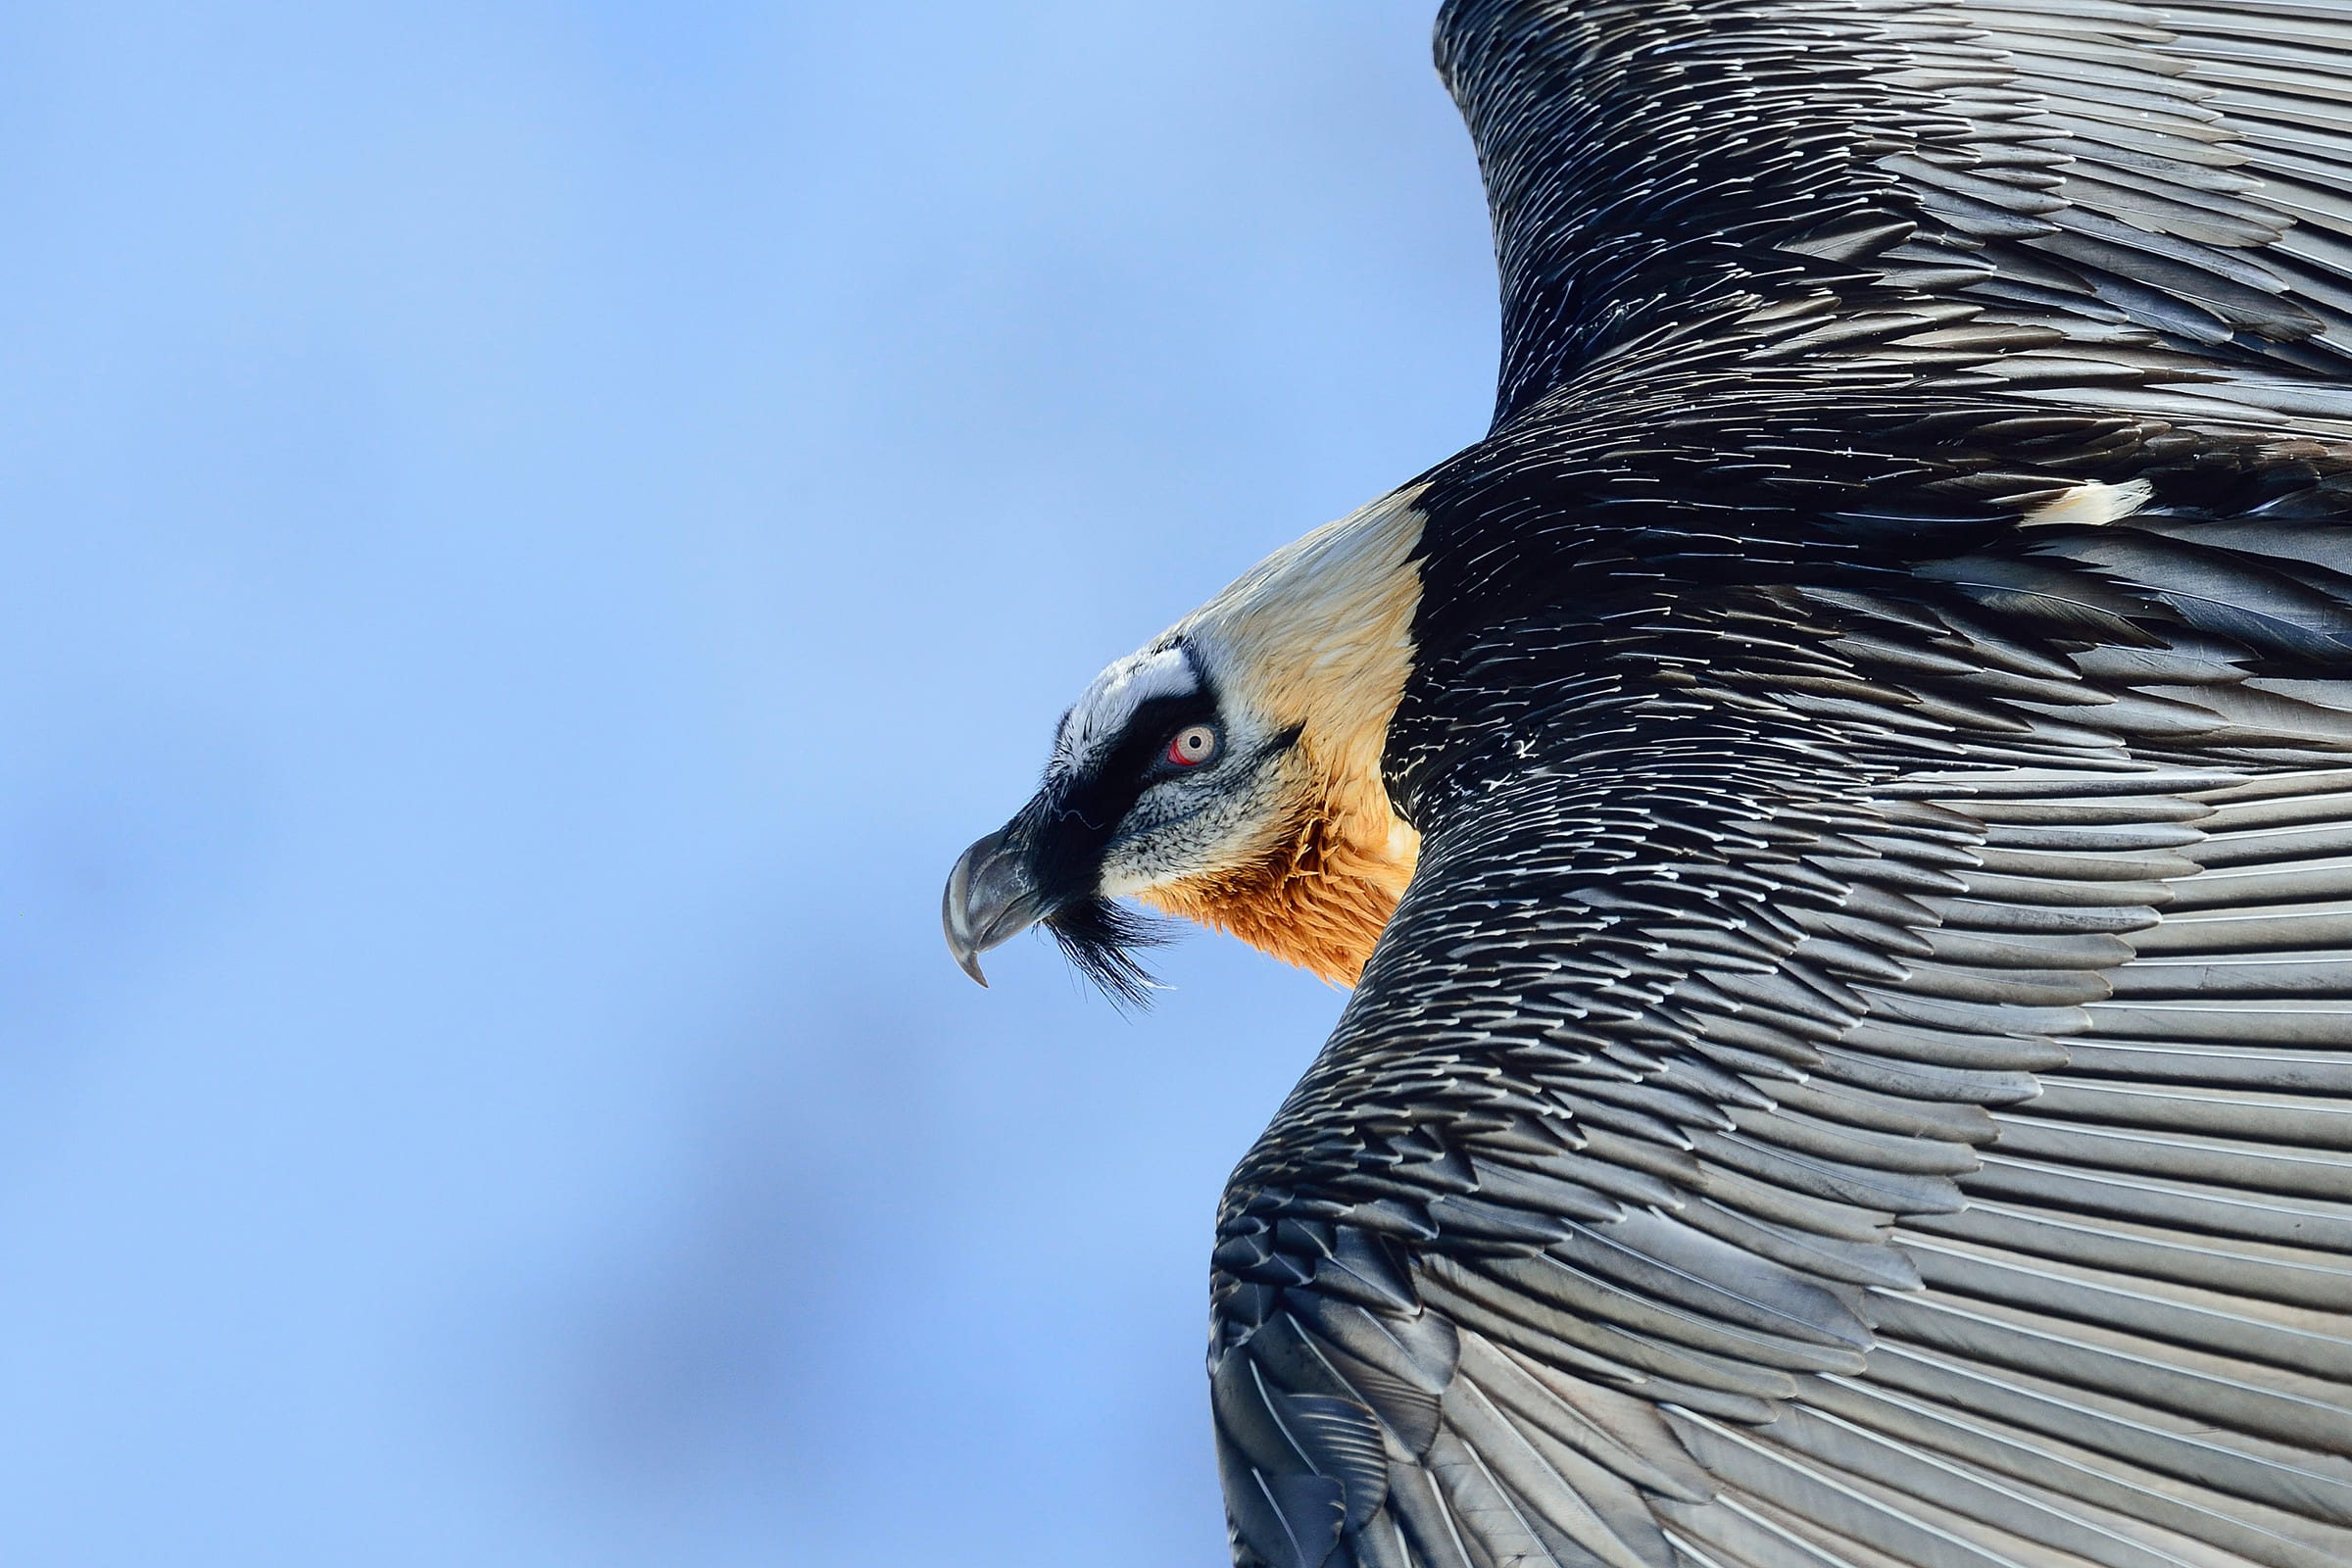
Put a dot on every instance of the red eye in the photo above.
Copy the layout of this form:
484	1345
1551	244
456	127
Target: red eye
1194	745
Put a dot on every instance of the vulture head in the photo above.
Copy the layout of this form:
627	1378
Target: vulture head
1228	771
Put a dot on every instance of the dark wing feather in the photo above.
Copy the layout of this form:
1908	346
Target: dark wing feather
1855	1082
2140	208
1862	1076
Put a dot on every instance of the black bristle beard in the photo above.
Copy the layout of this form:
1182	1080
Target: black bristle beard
1101	940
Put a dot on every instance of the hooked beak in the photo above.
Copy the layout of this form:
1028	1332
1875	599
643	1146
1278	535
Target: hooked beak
991	898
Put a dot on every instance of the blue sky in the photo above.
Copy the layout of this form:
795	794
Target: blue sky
533	534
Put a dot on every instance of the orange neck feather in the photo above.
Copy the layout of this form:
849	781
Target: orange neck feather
1318	900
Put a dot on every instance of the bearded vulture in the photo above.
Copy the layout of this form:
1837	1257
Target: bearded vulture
1837	814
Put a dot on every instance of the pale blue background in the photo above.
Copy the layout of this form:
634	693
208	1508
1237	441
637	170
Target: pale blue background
533	534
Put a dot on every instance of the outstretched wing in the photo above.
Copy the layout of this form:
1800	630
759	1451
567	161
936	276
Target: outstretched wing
2139	206
1854	1083
1862	1077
